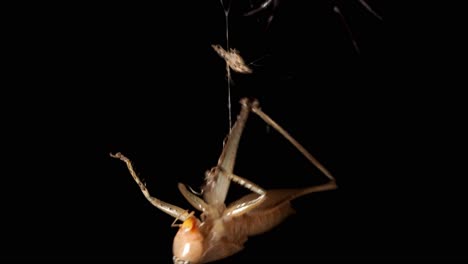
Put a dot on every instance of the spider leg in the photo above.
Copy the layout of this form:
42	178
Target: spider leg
337	10
369	9
268	3
263	6
169	209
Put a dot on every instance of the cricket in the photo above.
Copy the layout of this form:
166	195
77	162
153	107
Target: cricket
221	230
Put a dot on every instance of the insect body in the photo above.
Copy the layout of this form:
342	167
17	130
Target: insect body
221	230
233	59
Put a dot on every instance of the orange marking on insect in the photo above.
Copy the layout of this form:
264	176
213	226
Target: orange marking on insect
188	242
190	224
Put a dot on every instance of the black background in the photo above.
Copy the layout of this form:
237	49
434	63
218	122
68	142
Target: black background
143	80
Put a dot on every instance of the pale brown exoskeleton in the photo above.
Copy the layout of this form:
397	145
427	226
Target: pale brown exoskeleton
222	230
233	59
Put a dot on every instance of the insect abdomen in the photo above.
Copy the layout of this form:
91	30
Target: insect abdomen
257	222
263	221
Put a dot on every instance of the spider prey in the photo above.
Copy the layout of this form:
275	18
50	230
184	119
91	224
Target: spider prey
233	59
222	230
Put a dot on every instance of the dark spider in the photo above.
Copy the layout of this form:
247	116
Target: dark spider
273	5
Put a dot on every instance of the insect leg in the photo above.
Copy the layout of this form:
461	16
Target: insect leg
256	109
242	208
248	205
169	209
218	182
